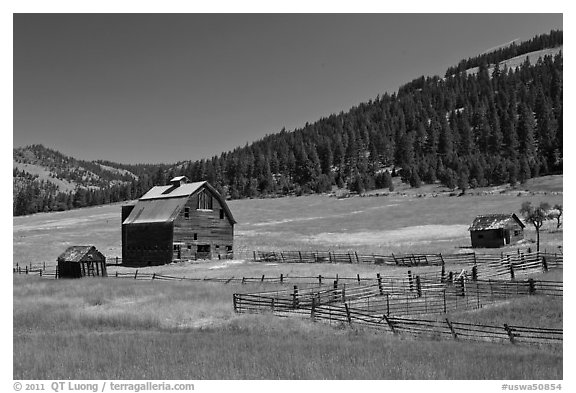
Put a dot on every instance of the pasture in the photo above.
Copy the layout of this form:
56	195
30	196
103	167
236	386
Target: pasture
97	328
129	329
406	221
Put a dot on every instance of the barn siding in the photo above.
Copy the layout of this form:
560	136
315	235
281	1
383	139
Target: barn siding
147	244
209	228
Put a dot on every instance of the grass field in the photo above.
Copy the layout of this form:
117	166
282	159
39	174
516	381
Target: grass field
405	221
129	329
126	329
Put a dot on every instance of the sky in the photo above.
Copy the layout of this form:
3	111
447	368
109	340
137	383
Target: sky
149	88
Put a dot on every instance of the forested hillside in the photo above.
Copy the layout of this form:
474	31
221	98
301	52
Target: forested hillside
465	130
462	130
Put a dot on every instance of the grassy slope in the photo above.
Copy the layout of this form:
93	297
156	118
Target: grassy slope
125	329
405	221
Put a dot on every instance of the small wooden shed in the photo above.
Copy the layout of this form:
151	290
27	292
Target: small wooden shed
80	261
496	230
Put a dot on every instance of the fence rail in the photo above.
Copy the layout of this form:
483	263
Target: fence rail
389	312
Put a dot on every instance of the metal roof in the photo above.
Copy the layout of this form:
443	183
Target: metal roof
156	210
493	221
79	253
164	192
164	203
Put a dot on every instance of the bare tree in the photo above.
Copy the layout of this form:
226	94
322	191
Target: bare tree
536	216
556	214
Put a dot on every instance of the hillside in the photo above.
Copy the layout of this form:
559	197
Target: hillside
479	126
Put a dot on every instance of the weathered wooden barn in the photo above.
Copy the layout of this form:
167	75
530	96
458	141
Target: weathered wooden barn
80	261
496	230
178	221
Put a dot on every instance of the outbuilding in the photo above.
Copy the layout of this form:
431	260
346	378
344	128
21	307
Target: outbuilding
496	230
80	261
178	221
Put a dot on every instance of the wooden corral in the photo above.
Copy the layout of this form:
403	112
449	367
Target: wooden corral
80	261
496	230
179	221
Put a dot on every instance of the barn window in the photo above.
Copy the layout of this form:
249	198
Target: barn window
204	201
203	248
516	232
189	246
186	212
195	236
221	214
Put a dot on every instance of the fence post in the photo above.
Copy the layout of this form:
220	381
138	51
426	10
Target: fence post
511	272
344	293
358	277
357	259
330	256
452	329
450	277
348	313
444	295
319	279
350	257
243	280
410	281
443	273
281	278
379	283
389	323
510	333
474	273
234	300
135	274
300	254
387	304
313	310
40	272
116	273
262	280
295	297
335	288
463	288
544	264
26	269
153	276
531	286
56	273
418	286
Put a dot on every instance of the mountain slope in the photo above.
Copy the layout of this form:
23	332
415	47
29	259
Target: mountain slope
478	126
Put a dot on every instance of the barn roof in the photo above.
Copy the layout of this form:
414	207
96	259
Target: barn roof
79	253
163	203
156	210
493	221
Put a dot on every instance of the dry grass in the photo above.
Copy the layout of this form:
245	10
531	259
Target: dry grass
401	222
125	329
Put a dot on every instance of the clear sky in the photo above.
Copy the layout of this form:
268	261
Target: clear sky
146	88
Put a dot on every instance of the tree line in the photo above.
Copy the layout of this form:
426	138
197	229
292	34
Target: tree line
464	131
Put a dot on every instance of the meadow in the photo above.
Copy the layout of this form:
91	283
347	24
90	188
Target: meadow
98	328
129	329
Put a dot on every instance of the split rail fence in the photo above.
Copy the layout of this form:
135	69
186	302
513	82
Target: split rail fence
371	306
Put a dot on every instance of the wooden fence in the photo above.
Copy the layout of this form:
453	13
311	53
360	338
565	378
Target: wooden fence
372	307
398	259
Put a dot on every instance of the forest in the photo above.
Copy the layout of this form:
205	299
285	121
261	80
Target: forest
466	130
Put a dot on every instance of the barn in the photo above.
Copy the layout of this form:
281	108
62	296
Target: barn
80	261
496	230
179	221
